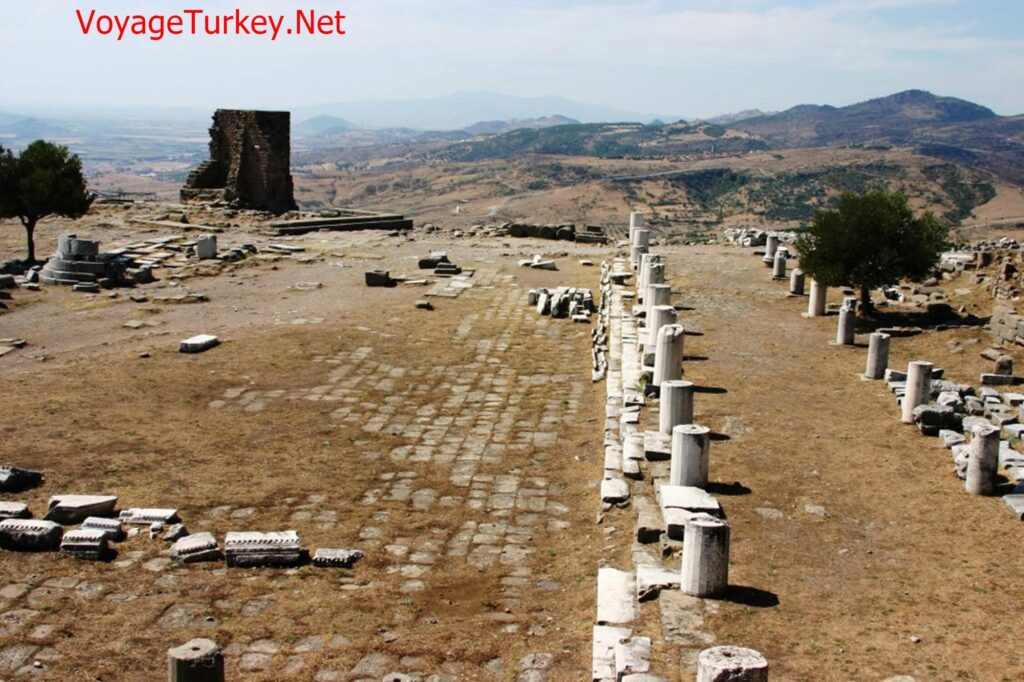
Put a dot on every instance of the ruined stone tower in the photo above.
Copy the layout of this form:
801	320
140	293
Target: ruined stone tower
249	162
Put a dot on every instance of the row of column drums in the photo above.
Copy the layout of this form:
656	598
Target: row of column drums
705	560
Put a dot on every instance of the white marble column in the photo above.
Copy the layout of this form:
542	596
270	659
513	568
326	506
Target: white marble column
691	444
636	222
657	317
675	405
919	387
668	354
779	266
878	356
796	282
983	463
705	566
771	246
655	295
847	325
818	299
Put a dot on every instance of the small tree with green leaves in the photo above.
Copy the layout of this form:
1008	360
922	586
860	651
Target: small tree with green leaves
45	179
871	240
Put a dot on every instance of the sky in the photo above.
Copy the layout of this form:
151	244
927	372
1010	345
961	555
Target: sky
683	58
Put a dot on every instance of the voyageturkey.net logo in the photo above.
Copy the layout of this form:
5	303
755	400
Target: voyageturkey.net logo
197	22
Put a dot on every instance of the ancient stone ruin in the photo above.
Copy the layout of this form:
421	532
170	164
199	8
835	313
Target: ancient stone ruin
249	164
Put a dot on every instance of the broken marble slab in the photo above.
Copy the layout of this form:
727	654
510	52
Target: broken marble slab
336	558
71	509
198	343
175	532
112	528
657	446
13	479
632	655
690	498
86	543
616	598
605	638
30	535
1016	504
614	491
193	549
142	516
14	510
651	579
255	549
649	525
951	438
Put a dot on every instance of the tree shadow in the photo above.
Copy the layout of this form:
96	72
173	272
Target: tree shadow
939	318
734	489
751	596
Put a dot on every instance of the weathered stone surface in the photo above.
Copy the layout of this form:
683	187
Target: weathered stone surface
199	660
336	558
632	655
379	278
688	498
143	516
249	164
71	509
13	479
196	548
603	657
251	549
27	535
86	544
616	600
651	579
198	343
614	491
111	528
731	664
14	510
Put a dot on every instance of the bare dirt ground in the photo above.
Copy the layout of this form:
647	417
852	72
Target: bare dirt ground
461	450
442	443
903	552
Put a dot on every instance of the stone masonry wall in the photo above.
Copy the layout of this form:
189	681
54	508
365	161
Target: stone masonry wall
249	164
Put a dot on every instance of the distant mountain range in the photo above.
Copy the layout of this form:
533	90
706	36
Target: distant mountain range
500	127
460	110
946	127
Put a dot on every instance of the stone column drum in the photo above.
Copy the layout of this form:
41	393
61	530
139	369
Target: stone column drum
656	274
771	246
668	354
675	406
657	294
779	267
690	455
731	664
983	463
847	325
818	299
636	253
199	660
878	356
643	274
919	388
705	569
796	282
636	222
657	317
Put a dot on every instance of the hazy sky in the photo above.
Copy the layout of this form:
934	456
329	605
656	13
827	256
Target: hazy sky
680	57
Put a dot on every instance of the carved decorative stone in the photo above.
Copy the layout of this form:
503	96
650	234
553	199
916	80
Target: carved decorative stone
29	535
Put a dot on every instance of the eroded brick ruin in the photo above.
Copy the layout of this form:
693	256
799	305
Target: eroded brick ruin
249	162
